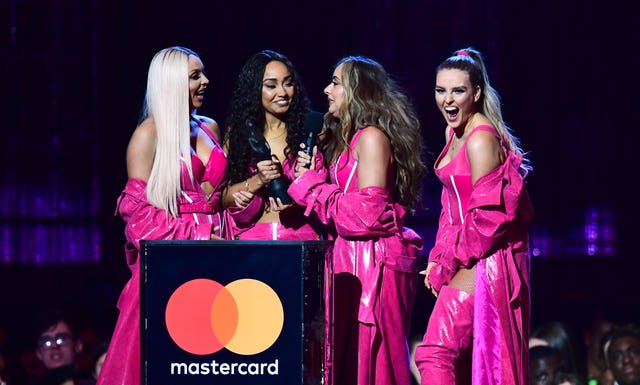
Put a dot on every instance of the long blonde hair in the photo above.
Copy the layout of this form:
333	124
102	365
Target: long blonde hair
167	103
373	98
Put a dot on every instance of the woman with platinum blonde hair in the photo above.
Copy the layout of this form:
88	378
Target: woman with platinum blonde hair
176	171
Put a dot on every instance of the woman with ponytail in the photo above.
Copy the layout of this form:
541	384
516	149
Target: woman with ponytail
479	266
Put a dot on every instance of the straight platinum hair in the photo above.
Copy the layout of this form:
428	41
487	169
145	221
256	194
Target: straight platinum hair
167	103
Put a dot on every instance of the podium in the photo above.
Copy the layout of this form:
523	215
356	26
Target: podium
232	312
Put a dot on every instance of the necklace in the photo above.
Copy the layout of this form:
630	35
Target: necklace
276	136
454	143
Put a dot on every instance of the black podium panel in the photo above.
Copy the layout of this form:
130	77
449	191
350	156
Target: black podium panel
232	312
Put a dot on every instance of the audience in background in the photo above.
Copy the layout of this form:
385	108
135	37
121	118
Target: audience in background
560	336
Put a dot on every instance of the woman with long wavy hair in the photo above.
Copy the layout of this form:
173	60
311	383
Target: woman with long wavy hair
373	147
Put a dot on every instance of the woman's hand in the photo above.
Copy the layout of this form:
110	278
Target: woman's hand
268	170
242	198
305	161
214	230
276	205
426	272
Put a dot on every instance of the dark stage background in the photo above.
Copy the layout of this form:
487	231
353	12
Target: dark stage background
74	76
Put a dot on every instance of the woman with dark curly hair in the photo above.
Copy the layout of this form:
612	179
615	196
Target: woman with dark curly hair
264	129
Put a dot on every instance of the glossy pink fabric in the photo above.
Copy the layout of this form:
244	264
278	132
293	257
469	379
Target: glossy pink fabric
446	339
374	265
266	231
293	225
122	365
489	228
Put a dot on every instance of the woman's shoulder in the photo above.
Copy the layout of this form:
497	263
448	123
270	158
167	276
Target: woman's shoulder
145	132
371	134
205	119
482	131
211	124
483	137
481	123
371	139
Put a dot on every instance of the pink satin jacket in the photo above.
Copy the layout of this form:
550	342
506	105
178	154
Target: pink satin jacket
487	225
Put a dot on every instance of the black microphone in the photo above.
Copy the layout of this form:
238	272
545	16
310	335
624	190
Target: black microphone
262	151
313	122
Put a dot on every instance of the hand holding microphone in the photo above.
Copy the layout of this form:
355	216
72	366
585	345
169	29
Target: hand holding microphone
313	122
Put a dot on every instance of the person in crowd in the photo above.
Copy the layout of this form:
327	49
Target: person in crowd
374	151
176	172
479	265
547	366
559	335
598	324
264	128
97	358
57	347
620	349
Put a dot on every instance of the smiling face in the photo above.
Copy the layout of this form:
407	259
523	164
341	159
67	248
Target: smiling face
277	88
456	97
335	92
198	82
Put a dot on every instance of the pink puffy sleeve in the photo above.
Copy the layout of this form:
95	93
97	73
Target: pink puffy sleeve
247	216
147	222
499	213
368	212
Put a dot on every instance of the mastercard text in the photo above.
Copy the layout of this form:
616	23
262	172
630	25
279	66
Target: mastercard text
225	368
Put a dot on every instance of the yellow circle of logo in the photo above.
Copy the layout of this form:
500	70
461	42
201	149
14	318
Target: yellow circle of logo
246	316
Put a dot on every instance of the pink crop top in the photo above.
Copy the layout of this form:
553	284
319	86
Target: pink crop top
216	166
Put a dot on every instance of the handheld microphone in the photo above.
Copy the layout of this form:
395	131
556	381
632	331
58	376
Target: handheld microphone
313	122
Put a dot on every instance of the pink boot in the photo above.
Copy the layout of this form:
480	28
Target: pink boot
447	338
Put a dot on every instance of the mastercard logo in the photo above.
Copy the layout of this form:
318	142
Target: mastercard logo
245	316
